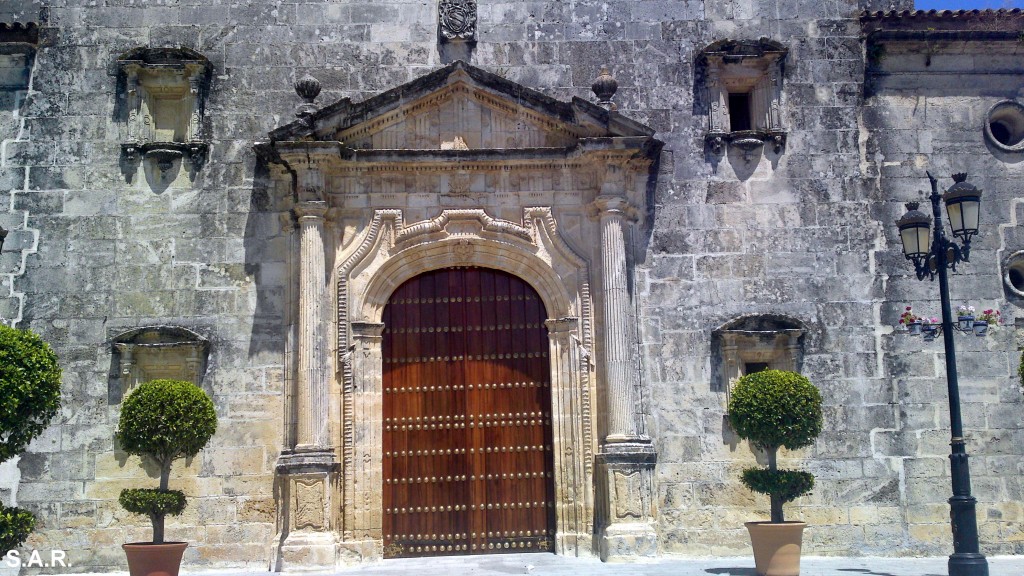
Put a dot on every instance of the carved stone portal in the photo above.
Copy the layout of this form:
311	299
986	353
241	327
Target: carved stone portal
516	197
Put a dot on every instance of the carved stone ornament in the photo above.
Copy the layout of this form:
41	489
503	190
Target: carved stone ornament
309	504
457	19
628	498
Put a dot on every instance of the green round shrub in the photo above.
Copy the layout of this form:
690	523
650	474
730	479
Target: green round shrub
29	389
15	526
151	501
163	420
166	420
776	408
788	485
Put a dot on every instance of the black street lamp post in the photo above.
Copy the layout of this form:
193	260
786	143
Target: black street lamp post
932	253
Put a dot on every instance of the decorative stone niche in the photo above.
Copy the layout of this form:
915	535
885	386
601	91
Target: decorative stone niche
1004	126
17	51
756	343
743	81
164	92
152	352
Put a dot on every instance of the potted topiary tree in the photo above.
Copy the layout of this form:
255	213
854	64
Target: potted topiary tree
30	393
162	420
774	409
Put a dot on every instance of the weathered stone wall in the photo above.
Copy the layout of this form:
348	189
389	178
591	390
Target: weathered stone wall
927	112
806	233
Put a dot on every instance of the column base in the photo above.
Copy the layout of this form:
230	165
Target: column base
628	542
573	544
351	553
625	477
307	522
307	551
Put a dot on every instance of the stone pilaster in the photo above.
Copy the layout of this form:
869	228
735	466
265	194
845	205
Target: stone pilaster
570	410
312	352
363	407
625	465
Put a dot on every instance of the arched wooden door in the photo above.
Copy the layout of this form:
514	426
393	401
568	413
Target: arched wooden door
467	416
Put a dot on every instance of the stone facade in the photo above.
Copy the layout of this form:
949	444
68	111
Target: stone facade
226	218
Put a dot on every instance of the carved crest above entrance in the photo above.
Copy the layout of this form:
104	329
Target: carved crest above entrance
457	19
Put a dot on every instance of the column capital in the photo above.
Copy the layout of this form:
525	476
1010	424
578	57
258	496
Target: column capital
563	325
608	205
314	209
367	330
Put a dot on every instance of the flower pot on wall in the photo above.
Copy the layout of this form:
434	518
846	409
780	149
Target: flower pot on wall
146	559
980	328
776	547
914	328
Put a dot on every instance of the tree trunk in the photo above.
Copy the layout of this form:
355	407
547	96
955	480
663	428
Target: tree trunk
165	474
158	519
776	500
158	528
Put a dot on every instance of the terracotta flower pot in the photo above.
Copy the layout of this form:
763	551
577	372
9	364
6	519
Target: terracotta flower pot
147	559
776	547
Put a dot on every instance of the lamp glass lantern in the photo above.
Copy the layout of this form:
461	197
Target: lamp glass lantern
915	232
963	207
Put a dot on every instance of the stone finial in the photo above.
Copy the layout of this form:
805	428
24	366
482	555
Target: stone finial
604	88
308	88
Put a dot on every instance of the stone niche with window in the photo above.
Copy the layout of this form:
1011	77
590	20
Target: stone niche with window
152	352
754	343
17	52
162	104
743	83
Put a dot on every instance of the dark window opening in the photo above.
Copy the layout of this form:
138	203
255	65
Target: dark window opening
1001	132
1017	279
739	111
751	367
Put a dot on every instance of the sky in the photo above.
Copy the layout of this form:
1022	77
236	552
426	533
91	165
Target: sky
966	4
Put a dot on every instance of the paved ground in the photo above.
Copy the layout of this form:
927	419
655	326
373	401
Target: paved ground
551	565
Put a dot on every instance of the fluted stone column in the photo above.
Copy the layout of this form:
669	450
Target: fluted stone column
312	376
620	372
307	492
625	465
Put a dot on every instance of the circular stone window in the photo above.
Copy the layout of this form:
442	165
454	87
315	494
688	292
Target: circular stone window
1013	275
1004	126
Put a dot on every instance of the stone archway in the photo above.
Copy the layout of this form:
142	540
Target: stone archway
391	253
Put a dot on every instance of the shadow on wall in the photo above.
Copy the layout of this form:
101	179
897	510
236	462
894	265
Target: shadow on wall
267	259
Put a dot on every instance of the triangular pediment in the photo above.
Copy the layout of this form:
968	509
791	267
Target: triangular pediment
460	107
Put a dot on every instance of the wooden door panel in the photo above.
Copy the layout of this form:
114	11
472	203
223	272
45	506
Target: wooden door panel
467	430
